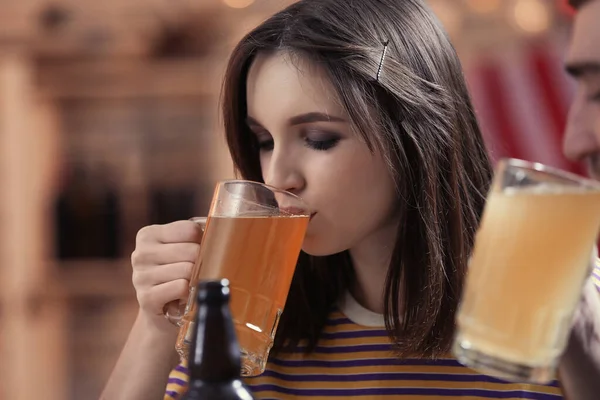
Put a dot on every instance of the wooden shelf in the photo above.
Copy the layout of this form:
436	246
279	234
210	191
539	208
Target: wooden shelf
128	78
110	279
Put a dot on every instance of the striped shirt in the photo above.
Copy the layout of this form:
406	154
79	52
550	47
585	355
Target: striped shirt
596	274
354	358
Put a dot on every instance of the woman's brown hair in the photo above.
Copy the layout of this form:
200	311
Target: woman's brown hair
415	110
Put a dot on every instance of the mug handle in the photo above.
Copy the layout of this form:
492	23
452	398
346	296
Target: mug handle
174	310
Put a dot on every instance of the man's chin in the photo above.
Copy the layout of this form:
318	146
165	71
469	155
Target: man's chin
593	167
594	174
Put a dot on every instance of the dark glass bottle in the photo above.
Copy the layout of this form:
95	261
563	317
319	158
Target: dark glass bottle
214	360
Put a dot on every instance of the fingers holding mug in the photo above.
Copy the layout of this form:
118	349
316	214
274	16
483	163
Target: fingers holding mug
175	310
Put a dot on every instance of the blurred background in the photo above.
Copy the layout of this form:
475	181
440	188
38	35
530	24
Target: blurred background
109	122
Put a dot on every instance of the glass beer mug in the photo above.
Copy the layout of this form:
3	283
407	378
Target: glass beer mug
252	237
525	278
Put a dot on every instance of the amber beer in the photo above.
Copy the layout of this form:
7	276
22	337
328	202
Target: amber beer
531	259
258	256
252	238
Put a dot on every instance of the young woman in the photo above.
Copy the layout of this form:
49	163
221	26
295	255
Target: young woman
360	108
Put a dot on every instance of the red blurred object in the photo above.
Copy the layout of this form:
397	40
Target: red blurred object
565	8
522	102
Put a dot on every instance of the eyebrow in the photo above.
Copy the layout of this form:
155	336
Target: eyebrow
314	117
580	69
304	119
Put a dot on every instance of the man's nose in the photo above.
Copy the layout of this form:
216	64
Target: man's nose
582	138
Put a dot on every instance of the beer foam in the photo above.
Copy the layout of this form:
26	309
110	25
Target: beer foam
256	213
548	189
266	212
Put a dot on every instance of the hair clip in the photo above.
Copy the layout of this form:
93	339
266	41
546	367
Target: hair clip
383	54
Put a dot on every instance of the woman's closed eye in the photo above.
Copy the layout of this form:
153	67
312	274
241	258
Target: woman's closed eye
321	145
263	139
265	144
316	140
320	140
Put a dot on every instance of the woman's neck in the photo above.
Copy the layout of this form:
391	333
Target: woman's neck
371	260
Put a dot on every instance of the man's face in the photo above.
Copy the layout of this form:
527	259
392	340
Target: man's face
582	137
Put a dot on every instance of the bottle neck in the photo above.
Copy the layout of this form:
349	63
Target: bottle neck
215	353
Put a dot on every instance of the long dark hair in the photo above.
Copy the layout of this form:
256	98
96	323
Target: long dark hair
415	110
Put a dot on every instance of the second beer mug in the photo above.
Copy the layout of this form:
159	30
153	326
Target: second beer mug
253	237
531	258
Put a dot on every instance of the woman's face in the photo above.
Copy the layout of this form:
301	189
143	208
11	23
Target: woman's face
308	147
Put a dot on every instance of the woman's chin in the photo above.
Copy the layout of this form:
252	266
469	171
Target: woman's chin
318	248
